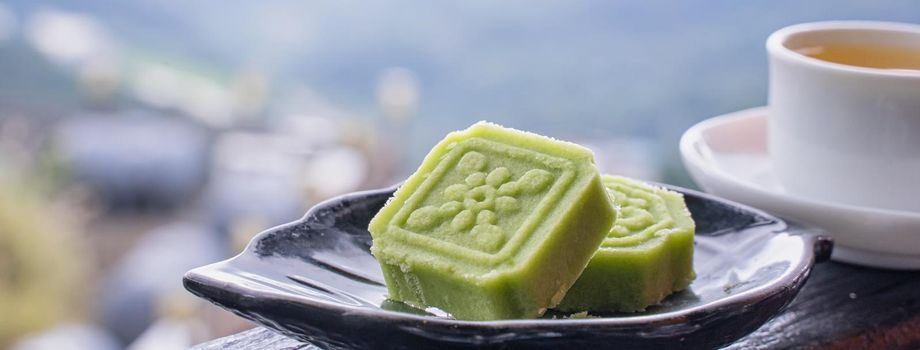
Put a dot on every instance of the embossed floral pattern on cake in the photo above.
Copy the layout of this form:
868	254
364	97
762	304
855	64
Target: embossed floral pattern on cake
644	213
480	210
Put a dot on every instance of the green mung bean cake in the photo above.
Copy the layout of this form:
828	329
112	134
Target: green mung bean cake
495	224
647	255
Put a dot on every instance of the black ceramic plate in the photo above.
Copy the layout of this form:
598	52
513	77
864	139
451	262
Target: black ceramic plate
315	280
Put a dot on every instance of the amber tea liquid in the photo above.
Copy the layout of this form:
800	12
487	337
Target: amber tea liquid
884	57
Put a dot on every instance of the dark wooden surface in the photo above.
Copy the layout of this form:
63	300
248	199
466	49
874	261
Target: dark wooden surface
841	307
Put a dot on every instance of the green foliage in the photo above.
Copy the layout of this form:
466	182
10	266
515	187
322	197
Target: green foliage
42	277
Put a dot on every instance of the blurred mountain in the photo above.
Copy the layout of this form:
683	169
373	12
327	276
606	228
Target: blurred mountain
587	68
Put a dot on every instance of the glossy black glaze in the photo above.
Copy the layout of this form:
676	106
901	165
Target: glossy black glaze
315	280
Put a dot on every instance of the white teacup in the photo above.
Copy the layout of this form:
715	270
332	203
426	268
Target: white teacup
842	133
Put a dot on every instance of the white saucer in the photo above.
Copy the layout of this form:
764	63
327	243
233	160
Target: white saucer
727	156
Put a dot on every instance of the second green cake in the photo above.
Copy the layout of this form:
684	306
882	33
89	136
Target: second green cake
647	255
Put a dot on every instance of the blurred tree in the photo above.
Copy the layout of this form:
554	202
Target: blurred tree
42	277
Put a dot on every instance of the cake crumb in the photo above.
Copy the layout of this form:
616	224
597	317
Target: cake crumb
583	314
